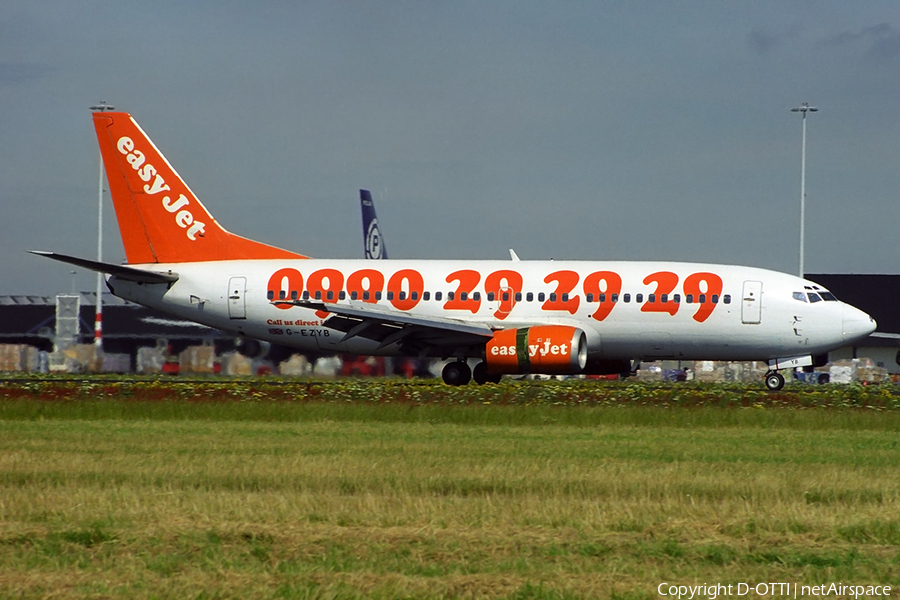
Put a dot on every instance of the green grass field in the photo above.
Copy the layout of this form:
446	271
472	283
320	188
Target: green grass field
172	498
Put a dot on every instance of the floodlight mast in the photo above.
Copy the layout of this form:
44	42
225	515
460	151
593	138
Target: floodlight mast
803	109
98	319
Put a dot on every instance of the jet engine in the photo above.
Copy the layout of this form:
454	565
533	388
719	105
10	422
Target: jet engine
547	349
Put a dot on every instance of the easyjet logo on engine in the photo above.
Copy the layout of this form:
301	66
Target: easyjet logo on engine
155	184
547	349
537	349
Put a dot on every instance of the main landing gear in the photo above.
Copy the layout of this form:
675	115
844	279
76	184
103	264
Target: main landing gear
458	373
481	376
774	381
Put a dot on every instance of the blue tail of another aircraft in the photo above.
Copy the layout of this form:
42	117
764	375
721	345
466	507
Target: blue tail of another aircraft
372	240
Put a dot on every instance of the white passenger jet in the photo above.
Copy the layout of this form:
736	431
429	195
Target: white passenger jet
557	317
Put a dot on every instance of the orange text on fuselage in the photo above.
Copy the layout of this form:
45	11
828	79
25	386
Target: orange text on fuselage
406	289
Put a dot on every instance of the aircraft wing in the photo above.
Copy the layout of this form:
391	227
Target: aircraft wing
388	327
120	271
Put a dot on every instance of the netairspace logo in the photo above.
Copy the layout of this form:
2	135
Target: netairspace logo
373	241
773	590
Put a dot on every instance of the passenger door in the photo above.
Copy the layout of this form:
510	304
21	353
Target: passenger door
237	308
751	303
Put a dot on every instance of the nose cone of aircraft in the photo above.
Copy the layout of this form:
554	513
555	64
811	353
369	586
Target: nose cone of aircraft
857	324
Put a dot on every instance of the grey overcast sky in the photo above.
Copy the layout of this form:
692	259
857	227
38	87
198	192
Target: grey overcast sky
597	130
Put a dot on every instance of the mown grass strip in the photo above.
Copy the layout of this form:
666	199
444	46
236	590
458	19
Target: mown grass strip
194	508
577	403
275	411
276	497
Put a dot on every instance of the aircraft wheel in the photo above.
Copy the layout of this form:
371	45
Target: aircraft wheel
456	373
774	381
480	374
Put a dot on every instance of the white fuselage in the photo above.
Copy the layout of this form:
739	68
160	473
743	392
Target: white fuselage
643	310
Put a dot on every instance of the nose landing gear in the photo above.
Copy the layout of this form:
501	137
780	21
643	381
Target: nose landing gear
774	381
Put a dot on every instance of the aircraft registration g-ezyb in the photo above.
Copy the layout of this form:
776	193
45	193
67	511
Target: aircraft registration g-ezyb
561	317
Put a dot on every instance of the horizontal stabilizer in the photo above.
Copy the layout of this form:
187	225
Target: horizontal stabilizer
120	271
885	336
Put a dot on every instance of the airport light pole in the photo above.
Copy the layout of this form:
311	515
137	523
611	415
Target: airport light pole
98	319
803	109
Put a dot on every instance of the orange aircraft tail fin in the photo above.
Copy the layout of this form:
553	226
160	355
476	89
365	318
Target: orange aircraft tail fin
160	218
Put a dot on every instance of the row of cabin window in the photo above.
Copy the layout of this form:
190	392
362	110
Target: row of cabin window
529	297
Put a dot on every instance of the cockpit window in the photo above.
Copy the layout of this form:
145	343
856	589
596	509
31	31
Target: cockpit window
813	298
800	296
828	297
